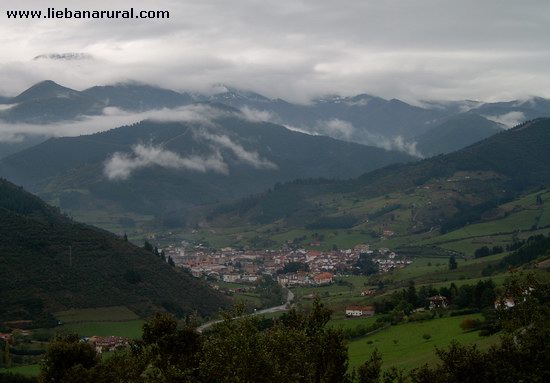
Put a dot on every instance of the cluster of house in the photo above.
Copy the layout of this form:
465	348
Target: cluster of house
231	265
305	279
107	343
388	260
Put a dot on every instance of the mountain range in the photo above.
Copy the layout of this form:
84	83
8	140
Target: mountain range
366	119
156	166
443	192
196	150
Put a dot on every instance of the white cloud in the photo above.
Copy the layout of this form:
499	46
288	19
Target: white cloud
441	49
301	130
398	143
11	137
344	130
113	118
6	106
335	128
251	158
256	115
509	120
121	165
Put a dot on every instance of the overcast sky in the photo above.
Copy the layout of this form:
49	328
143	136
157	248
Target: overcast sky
408	49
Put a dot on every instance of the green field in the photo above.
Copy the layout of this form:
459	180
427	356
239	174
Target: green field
103	321
30	370
115	313
352	322
130	329
403	346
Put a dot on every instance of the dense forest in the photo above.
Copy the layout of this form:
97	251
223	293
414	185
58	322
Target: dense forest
50	263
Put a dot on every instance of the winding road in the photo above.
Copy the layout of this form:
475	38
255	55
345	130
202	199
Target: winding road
275	309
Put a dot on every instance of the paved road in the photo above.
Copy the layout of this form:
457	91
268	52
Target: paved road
285	307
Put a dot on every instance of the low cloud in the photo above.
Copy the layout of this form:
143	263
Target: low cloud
301	130
112	118
398	143
256	115
251	158
121	165
6	106
509	120
335	128
344	130
11	137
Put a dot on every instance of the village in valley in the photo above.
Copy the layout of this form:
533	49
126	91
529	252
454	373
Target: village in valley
227	268
313	267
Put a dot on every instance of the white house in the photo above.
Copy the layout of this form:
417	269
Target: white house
360	311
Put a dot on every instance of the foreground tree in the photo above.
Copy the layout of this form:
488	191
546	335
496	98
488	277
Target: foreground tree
297	348
67	358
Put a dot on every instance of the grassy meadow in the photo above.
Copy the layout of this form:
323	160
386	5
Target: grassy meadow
405	345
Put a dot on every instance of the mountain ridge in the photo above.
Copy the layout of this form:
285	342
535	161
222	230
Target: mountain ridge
479	176
53	263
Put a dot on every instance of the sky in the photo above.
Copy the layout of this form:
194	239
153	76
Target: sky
293	49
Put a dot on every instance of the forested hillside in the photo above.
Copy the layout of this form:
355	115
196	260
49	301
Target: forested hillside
49	263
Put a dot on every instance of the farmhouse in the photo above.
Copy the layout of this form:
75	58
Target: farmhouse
323	278
504	303
360	311
438	302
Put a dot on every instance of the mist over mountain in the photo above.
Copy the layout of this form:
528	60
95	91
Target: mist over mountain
464	185
455	133
210	153
389	124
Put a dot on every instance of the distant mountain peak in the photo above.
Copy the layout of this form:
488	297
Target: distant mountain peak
45	89
229	92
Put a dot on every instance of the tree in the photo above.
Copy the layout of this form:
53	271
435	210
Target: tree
147	246
7	356
64	355
410	296
369	372
452	263
365	265
171	261
483	251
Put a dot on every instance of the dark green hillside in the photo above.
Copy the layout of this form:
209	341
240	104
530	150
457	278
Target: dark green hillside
519	155
64	165
456	133
50	263
459	187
